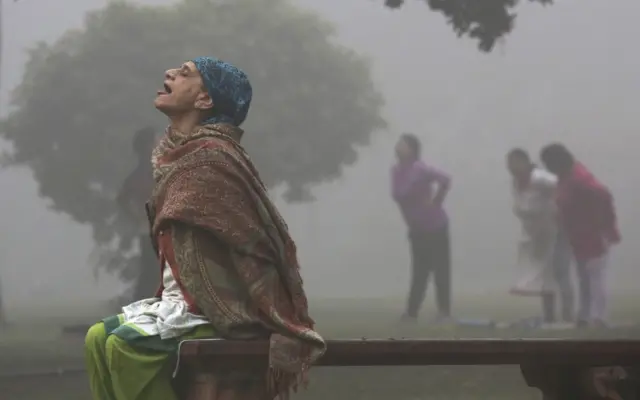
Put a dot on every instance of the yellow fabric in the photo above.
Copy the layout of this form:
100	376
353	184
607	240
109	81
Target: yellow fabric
119	371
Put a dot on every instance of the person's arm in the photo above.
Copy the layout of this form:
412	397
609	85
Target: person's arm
123	198
443	181
206	243
609	217
245	296
604	209
135	191
228	285
547	183
402	185
126	198
205	269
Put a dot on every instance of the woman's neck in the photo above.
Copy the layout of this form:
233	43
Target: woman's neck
405	162
566	172
185	123
523	180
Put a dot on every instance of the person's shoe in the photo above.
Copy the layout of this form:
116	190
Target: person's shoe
559	326
409	318
442	319
598	323
581	323
568	318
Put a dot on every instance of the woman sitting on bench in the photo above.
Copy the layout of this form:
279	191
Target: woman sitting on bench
229	267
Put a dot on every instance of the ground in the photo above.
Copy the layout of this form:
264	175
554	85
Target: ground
40	347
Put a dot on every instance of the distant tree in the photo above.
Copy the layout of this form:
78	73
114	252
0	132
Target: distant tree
2	35
2	311
484	20
83	97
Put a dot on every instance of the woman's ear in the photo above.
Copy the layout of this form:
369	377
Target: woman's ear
204	102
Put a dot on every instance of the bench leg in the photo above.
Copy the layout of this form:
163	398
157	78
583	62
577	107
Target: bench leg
207	385
570	383
201	386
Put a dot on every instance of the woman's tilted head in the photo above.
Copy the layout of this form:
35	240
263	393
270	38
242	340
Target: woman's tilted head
557	158
408	147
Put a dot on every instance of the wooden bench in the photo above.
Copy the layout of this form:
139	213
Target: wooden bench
561	369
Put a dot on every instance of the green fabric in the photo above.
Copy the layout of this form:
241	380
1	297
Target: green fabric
124	364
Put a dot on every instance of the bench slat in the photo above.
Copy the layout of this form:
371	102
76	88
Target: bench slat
438	352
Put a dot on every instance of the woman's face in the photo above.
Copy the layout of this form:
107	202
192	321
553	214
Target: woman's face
403	151
553	166
519	167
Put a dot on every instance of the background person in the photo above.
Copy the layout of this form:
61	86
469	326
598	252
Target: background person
420	191
588	217
533	191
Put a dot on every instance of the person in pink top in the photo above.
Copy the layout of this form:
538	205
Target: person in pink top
419	190
587	213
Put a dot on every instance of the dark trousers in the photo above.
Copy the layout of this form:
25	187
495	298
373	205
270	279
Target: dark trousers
549	307
562	259
430	254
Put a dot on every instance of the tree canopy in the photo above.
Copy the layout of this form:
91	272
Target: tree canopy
486	21
82	98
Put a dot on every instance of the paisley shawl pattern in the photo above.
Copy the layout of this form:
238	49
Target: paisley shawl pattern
236	257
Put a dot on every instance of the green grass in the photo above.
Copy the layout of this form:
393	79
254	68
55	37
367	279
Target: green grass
37	343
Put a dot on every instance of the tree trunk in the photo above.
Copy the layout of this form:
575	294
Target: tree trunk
149	271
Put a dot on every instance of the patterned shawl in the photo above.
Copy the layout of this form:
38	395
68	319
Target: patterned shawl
206	181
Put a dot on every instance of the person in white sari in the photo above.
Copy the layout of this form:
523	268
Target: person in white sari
533	191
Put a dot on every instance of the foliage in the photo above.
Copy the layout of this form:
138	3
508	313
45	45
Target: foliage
82	97
484	20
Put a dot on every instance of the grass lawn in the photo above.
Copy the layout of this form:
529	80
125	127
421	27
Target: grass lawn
38	344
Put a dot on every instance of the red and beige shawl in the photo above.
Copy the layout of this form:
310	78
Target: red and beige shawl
235	255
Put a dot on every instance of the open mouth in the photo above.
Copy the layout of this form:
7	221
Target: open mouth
167	90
